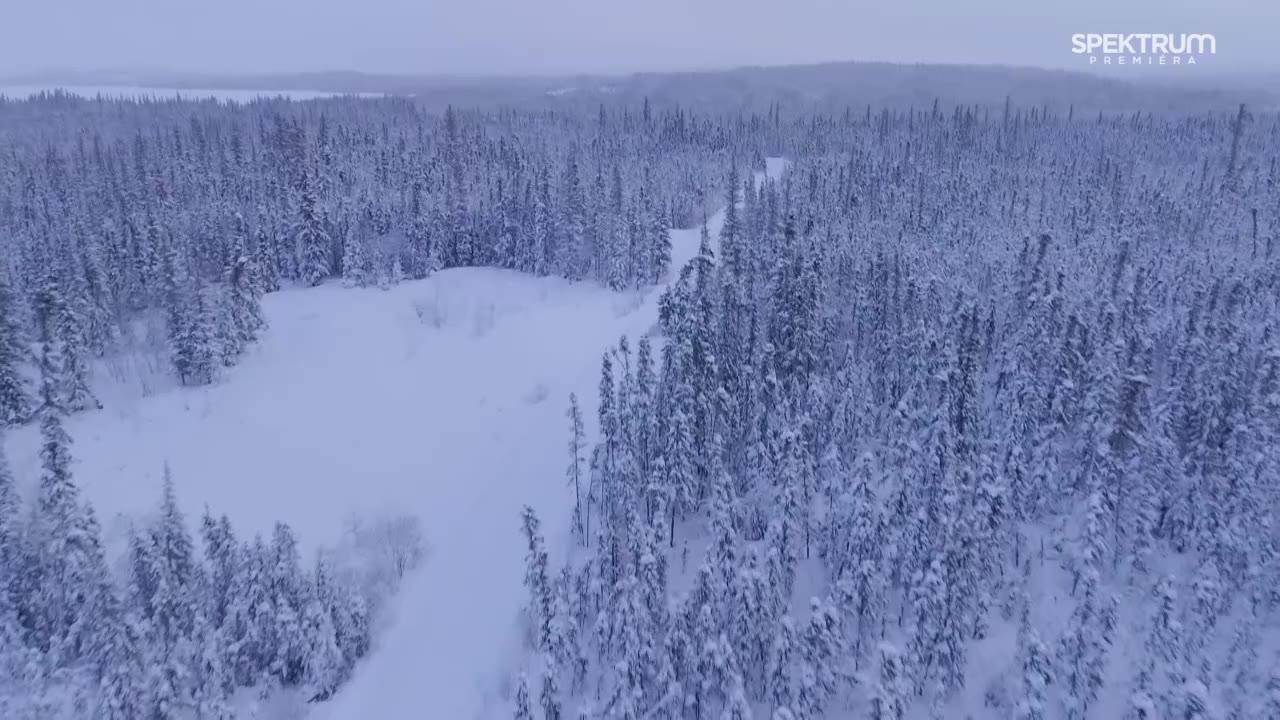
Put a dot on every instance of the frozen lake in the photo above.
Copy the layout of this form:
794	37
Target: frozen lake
127	91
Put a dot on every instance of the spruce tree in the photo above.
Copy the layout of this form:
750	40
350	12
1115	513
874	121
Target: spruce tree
311	238
574	470
1036	671
324	660
891	693
15	400
288	594
247	320
1272	703
537	582
11	531
123	693
549	697
781	692
211	682
524	709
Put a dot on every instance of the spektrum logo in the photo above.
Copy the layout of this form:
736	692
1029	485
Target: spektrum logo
1144	48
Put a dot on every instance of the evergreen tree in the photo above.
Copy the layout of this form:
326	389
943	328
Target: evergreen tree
221	558
737	707
549	698
780	665
288	664
311	238
1082	653
524	711
1036	671
211	682
123	694
11	531
574	470
351	626
541	603
325	663
891	694
1166	644
15	402
68	560
820	654
1273	690
75	356
245	308
659	244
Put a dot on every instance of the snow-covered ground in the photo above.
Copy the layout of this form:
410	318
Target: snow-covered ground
21	92
443	398
356	399
454	637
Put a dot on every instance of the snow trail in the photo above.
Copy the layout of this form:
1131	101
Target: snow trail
454	639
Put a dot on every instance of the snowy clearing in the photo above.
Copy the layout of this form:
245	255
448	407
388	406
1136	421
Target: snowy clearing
444	397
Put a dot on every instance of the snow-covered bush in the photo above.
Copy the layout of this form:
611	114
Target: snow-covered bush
377	551
430	312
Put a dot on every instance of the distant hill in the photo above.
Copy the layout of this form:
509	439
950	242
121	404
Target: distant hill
828	86
837	85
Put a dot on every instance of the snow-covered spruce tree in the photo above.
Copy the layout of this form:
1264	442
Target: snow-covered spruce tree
11	537
123	690
574	470
1036	669
356	270
248	617
1241	671
537	582
1165	645
524	709
19	662
311	238
1272	702
781	665
751	622
170	585
857	552
266	258
76	355
659	244
244	305
891	693
67	567
821	655
549	696
324	660
211	681
180	315
15	399
222	563
289	594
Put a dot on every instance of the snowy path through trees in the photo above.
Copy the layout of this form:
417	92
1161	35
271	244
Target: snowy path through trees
455	624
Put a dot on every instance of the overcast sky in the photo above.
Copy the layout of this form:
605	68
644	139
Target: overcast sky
561	36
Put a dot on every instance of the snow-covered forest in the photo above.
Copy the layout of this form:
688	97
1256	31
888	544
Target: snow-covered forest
969	416
958	412
160	223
